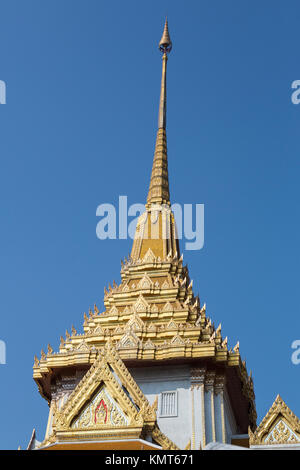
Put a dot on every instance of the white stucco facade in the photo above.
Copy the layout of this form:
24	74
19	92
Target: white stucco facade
202	413
194	408
154	381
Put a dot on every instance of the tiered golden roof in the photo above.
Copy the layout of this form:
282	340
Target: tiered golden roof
152	315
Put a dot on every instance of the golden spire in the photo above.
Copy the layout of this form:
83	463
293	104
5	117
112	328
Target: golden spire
165	43
159	184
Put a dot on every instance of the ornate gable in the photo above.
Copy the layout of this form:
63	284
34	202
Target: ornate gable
106	404
140	305
154	308
168	307
129	340
279	426
172	325
102	390
113	310
82	346
135	323
145	283
102	410
98	330
177	340
149	257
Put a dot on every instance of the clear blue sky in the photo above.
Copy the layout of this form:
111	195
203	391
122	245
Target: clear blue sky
78	130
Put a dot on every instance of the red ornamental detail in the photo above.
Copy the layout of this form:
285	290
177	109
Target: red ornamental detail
101	410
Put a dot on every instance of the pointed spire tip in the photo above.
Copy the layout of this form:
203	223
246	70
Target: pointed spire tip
165	44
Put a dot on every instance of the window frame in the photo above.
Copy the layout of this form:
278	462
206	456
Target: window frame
161	415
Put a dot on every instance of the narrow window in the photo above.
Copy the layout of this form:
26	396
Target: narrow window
168	404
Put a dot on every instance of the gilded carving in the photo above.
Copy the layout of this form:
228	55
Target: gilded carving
279	426
167	324
145	283
86	410
101	410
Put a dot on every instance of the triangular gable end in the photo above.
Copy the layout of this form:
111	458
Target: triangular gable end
145	283
135	323
129	340
106	388
100	410
140	306
149	257
279	426
107	404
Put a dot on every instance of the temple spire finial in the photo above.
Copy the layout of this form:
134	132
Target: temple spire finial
159	185
165	44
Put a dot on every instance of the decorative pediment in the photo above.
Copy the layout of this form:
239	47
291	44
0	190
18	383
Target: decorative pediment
282	434
167	308
279	426
177	341
141	305
98	330
135	323
106	397
129	340
101	410
107	404
172	325
154	308
82	346
113	310
149	257
145	283
149	344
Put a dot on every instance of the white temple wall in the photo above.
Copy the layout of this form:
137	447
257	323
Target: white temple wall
198	419
193	403
154	381
204	411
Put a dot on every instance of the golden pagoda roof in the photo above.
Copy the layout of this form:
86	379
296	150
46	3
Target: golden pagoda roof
152	315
